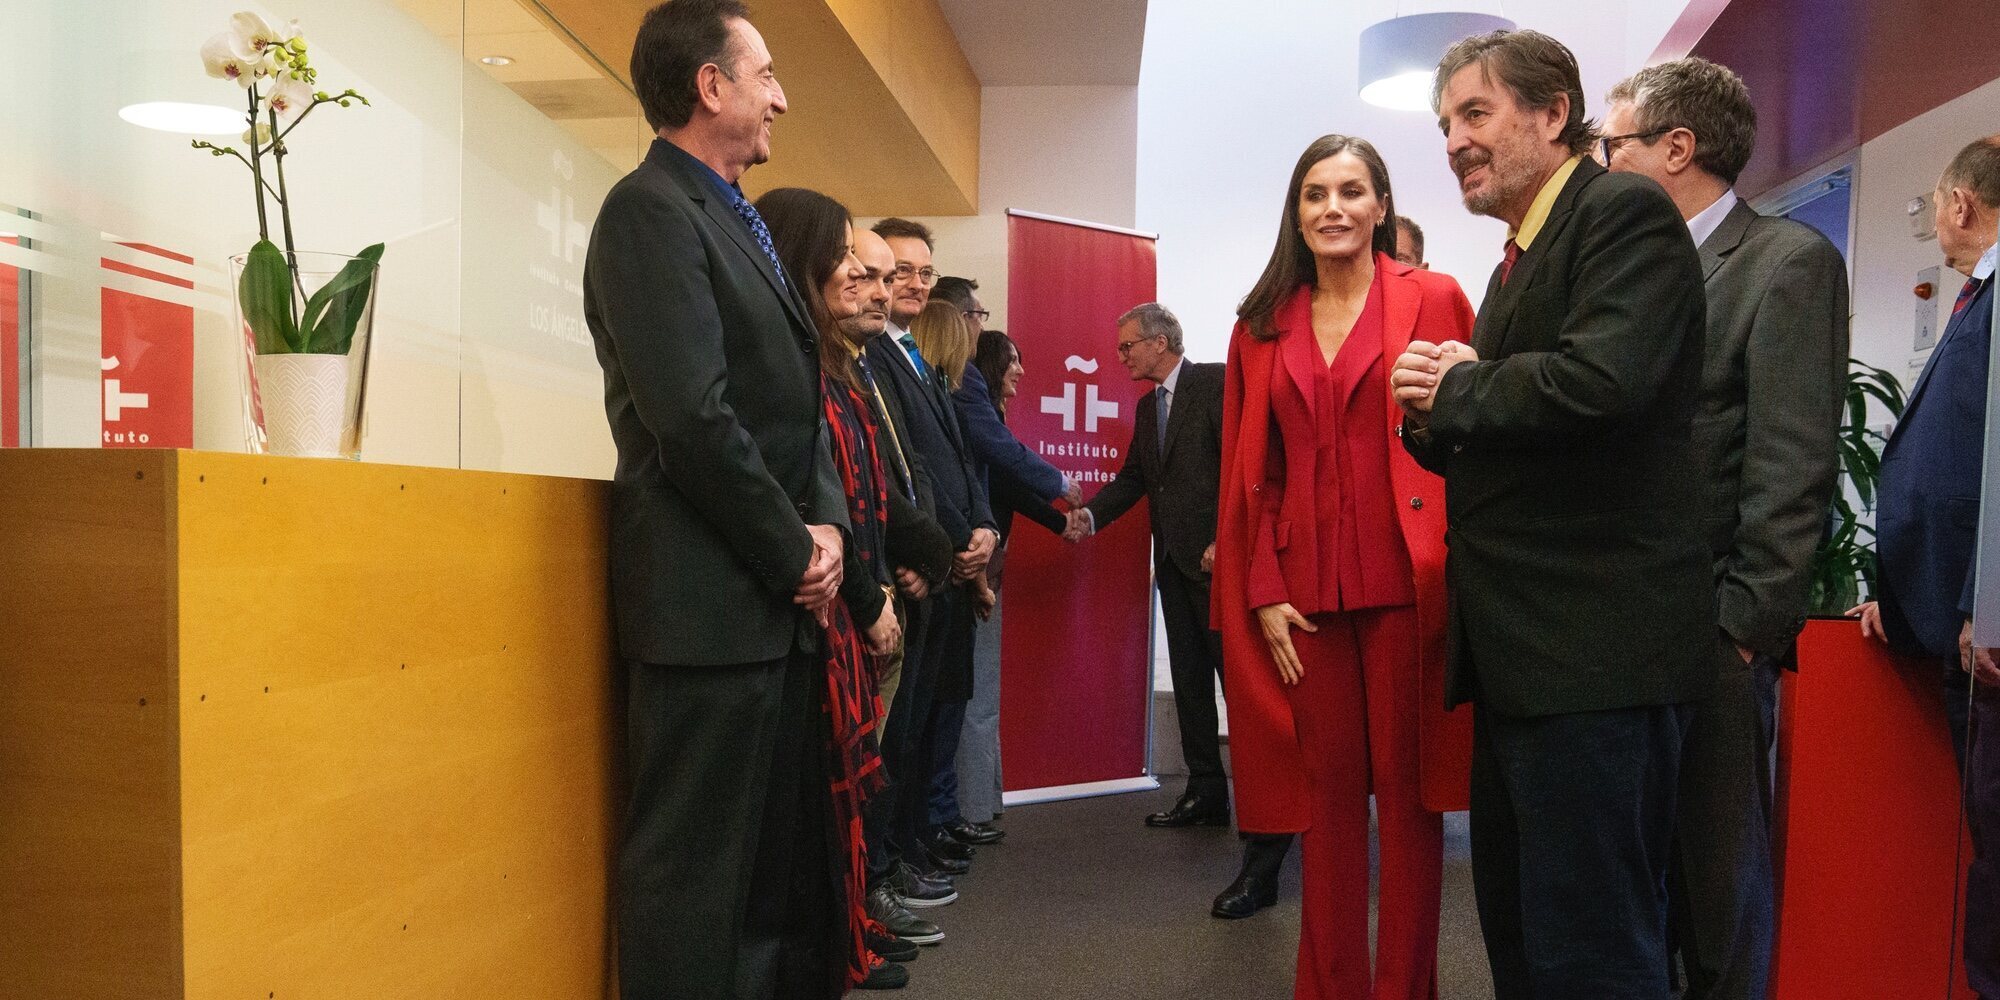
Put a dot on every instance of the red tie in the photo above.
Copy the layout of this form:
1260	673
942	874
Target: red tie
1507	262
1965	295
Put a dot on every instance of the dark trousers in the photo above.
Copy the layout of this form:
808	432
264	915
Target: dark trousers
1978	722
912	733
726	886
1721	882
1572	818
879	816
1194	657
954	692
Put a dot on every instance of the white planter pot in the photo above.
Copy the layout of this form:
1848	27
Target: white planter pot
305	402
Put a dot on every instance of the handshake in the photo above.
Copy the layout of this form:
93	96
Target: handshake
1081	525
1418	372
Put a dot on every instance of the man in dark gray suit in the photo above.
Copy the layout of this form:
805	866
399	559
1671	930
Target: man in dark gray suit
1771	392
727	527
1582	624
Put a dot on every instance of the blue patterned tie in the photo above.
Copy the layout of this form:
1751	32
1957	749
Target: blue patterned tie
762	233
916	356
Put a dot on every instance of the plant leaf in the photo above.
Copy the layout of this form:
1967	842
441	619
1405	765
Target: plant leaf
266	297
334	312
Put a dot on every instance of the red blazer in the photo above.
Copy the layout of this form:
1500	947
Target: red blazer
1263	746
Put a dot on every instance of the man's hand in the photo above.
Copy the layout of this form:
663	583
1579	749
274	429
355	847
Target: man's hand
887	632
1870	614
1977	660
911	584
821	583
1208	558
967	564
1423	365
984	599
1072	492
1081	525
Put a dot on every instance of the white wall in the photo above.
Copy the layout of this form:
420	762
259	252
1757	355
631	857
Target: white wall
1230	95
1897	166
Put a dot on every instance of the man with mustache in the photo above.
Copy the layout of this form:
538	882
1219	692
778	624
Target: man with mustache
1583	618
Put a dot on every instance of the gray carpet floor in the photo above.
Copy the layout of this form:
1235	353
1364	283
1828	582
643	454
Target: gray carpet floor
1083	901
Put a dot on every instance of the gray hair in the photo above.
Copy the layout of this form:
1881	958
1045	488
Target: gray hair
1977	169
1155	321
1702	97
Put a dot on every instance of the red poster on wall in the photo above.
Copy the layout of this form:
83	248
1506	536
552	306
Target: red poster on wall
1077	642
148	361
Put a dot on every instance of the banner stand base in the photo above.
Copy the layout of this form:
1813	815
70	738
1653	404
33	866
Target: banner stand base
1058	793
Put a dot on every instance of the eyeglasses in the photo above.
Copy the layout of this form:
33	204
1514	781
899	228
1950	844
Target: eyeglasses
981	315
905	272
1125	346
1607	145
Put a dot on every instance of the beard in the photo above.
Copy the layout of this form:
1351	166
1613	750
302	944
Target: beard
1511	171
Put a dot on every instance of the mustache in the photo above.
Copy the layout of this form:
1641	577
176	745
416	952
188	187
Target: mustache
1463	163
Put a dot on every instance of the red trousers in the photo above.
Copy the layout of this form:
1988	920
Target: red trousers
1356	714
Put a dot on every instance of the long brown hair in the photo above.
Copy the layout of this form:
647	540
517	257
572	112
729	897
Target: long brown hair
1291	262
944	338
809	231
993	355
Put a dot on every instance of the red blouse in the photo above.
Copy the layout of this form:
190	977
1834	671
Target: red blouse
1328	419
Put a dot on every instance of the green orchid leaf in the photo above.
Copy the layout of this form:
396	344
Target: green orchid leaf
266	298
334	312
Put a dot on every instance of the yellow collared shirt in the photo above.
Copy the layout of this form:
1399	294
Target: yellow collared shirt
1545	200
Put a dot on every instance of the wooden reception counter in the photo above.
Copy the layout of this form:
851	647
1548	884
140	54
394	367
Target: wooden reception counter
291	728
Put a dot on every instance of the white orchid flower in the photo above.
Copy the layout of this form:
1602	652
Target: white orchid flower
288	97
226	58
256	33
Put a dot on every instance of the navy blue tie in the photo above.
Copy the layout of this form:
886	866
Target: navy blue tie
1160	409
762	233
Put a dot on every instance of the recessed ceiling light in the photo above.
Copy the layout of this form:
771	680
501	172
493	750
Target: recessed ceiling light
185	118
497	60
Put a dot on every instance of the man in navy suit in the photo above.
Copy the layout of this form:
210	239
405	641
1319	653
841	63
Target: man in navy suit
1927	524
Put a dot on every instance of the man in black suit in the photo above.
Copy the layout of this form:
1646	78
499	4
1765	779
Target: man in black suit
1772	389
727	527
1583	618
1177	466
943	651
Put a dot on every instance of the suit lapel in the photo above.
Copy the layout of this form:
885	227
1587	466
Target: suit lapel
1522	277
1298	347
1726	238
702	191
1977	308
1177	417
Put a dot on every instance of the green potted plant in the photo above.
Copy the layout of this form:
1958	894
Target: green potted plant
305	316
1843	568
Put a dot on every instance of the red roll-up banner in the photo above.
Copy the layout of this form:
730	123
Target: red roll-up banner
1077	643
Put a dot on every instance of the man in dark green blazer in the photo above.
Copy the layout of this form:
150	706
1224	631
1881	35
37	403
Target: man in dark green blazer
727	526
1771	397
1583	618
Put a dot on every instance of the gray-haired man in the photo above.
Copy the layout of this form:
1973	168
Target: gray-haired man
1770	398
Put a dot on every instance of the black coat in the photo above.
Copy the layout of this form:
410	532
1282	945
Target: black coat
933	433
711	384
1185	480
1579	577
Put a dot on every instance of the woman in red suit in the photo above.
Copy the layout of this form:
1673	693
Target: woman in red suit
1329	578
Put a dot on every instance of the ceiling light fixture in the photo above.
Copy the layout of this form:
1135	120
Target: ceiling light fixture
497	60
1399	56
184	117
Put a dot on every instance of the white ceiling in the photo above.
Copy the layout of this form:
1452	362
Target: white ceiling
1021	43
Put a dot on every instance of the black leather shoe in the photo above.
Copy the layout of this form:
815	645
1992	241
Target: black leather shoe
928	863
948	847
978	834
1252	891
919	890
1193	810
887	909
885	976
892	949
1256	885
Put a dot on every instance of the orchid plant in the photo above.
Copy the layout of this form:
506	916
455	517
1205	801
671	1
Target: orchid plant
277	78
